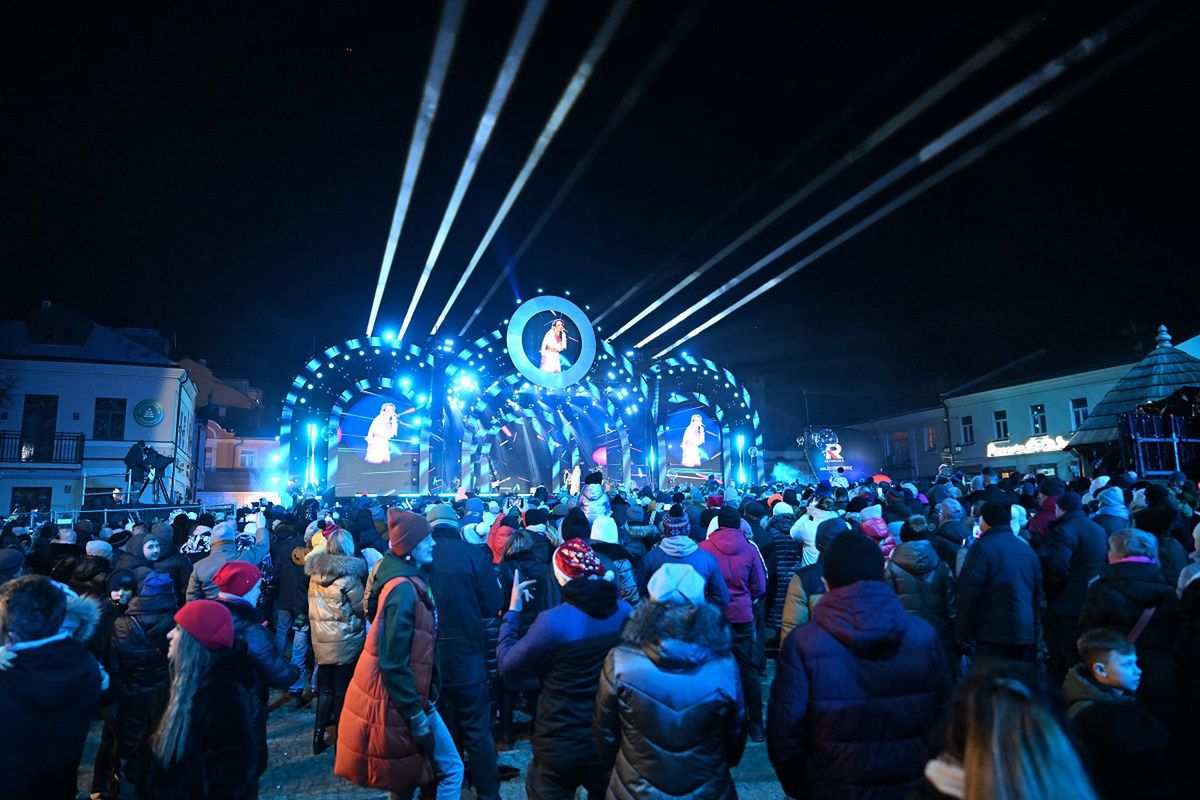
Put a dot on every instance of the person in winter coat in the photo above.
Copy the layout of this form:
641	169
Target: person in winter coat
239	586
137	662
951	531
391	735
528	553
1000	593
1112	514
49	688
172	561
671	687
224	550
1157	520
604	544
871	520
805	530
806	588
925	586
90	576
1071	557
593	501
782	558
204	745
857	691
677	547
336	585
565	647
1132	597
745	577
468	592
291	603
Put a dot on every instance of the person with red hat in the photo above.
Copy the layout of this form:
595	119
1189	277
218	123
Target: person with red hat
390	735
566	646
204	746
239	585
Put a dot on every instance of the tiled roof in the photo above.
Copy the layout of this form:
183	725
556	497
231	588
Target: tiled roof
1164	370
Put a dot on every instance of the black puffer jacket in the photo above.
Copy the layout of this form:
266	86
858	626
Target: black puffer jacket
925	586
782	558
90	576
1117	599
137	661
534	566
670	718
270	669
291	584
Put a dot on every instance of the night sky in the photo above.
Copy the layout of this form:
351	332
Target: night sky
229	177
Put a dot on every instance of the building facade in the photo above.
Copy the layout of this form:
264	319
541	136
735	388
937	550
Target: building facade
77	397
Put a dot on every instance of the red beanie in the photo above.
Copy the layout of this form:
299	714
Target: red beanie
576	559
715	501
209	623
406	530
237	578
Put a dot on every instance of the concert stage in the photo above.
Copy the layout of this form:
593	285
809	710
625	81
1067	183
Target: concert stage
524	405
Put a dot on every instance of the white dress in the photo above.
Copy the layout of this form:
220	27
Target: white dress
693	440
382	429
552	345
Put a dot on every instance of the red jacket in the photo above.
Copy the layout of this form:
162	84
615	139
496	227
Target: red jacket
375	747
742	567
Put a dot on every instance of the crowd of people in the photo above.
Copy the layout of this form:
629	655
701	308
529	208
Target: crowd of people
984	637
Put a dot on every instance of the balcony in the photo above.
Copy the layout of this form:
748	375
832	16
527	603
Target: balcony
59	448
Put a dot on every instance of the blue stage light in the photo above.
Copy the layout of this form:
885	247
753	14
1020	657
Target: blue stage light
389	336
421	399
405	382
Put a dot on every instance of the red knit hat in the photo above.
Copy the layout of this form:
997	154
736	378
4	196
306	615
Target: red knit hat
715	501
406	530
576	559
209	623
237	578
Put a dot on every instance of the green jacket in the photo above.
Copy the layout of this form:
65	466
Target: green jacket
395	647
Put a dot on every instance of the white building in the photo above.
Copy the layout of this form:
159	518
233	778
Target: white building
1018	418
76	397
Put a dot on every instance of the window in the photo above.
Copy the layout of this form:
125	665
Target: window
930	439
208	458
109	424
897	448
1079	412
1000	423
968	430
246	458
27	498
1037	419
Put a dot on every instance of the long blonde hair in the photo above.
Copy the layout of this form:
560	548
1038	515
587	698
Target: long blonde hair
1016	750
190	661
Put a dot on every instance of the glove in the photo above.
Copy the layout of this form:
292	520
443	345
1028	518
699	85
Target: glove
422	732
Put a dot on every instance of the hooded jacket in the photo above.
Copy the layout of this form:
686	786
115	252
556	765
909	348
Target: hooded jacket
335	607
804	591
682	550
1117	599
593	502
855	697
1072	556
1081	691
870	519
291	582
741	567
90	576
925	586
565	647
616	559
201	587
670	719
534	565
47	698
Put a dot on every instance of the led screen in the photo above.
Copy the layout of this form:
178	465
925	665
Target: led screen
693	441
378	446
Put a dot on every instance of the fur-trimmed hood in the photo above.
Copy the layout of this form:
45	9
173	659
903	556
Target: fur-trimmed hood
678	636
83	614
326	568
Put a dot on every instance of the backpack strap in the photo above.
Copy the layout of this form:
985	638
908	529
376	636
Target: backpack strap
1140	625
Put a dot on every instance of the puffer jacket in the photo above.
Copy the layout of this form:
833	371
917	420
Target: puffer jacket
616	558
670	719
805	532
1117	599
137	660
743	570
870	519
855	697
90	576
682	550
925	586
534	565
804	591
782	557
335	607
593	502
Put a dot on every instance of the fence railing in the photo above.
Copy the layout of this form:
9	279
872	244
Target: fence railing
59	448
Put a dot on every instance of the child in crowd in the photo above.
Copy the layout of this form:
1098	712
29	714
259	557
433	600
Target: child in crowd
1109	672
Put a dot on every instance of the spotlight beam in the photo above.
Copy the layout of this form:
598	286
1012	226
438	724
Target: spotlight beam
948	83
439	65
483	133
576	85
989	111
1022	123
623	107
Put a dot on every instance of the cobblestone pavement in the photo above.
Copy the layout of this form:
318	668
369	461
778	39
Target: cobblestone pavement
294	772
